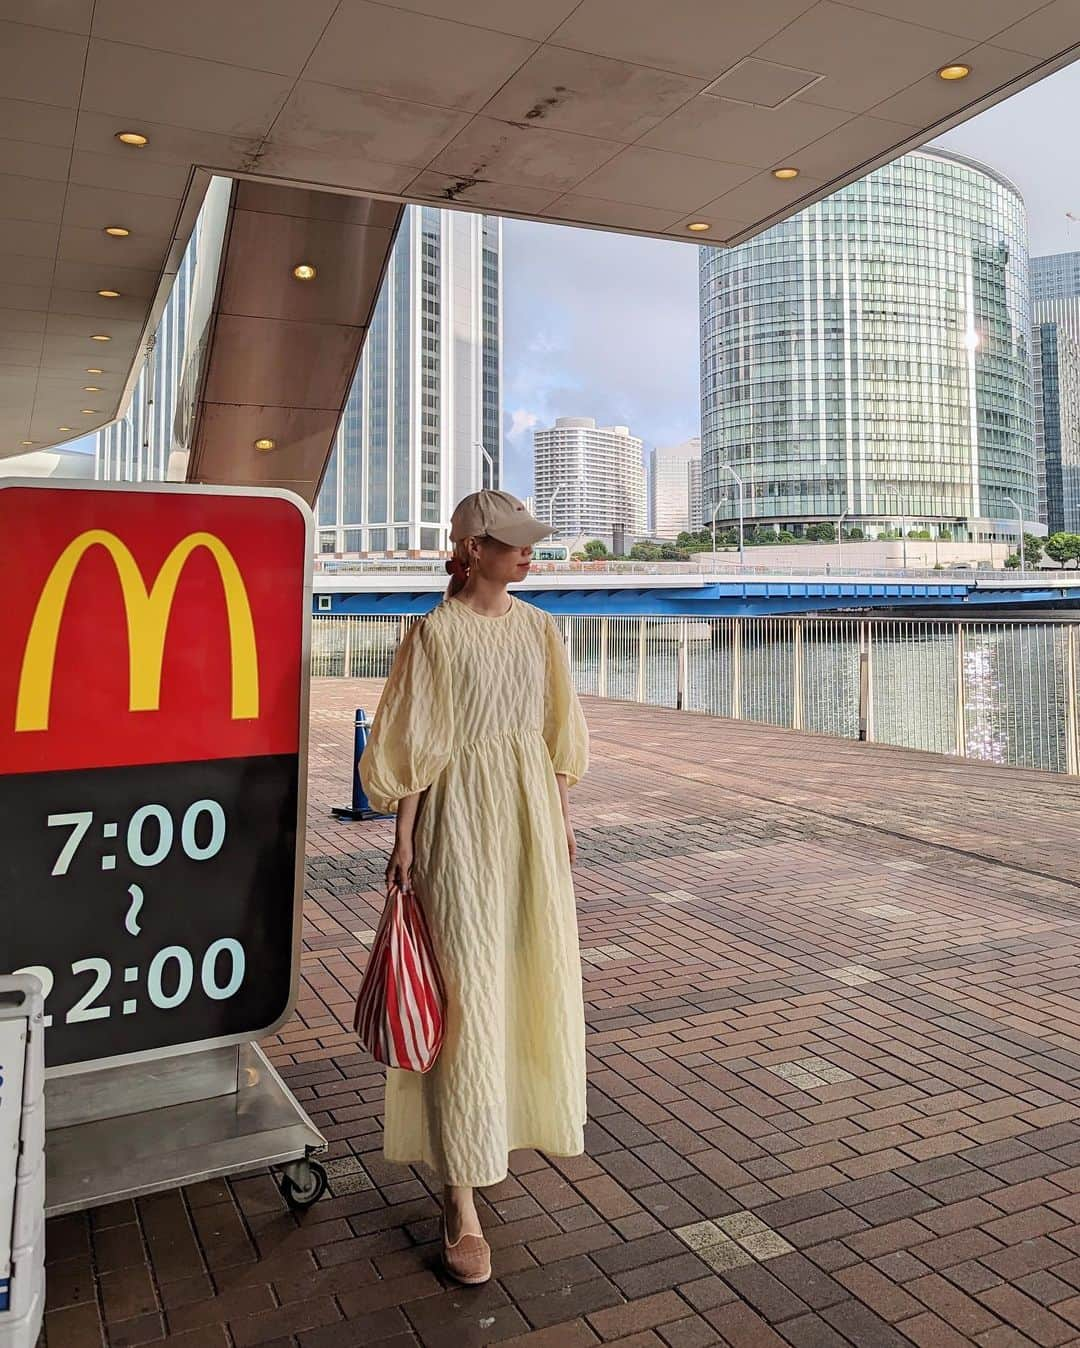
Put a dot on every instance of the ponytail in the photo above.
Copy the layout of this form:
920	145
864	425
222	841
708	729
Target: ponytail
457	568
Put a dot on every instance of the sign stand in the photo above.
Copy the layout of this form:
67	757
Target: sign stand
132	1130
154	663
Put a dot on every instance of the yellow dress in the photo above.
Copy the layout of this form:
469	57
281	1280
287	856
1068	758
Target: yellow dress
481	714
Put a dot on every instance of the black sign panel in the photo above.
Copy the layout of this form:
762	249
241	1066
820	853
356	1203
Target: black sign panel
162	894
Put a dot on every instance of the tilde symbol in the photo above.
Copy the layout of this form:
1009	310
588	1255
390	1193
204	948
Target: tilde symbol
131	922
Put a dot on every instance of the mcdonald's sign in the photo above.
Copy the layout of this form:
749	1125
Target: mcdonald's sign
153	684
147	626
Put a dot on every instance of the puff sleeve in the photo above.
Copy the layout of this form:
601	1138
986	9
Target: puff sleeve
565	732
411	740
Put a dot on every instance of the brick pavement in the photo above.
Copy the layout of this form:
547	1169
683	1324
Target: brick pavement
834	1038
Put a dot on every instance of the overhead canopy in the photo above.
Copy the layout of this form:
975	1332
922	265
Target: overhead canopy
634	115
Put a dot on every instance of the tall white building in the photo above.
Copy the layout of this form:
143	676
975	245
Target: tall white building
697	510
669	487
589	477
423	422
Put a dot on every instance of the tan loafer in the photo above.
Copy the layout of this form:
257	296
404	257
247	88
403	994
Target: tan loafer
468	1259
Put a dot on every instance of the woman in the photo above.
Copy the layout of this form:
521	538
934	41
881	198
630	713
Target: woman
478	736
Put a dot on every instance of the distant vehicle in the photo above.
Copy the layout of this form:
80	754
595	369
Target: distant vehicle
550	552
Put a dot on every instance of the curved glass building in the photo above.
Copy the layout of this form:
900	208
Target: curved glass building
872	356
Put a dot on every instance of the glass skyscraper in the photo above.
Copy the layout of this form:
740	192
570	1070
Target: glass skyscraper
423	422
1057	412
1055	276
872	357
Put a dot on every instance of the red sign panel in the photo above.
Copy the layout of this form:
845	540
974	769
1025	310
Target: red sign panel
148	627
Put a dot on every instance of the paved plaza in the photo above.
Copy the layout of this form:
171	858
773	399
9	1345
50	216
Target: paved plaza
833	996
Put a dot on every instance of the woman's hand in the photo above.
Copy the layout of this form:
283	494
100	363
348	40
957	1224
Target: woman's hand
399	868
571	841
564	802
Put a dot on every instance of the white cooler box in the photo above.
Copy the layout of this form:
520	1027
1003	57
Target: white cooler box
22	1161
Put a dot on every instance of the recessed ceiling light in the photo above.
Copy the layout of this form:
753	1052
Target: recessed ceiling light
956	71
99	337
785	173
63	428
93	369
91	388
26	442
117	231
109	294
264	444
135	138
89	412
304	272
698	226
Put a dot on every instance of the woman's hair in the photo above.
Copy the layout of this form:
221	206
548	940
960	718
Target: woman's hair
458	568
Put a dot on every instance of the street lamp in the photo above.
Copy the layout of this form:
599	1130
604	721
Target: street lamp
1020	517
479	444
903	519
840	541
551	503
739	483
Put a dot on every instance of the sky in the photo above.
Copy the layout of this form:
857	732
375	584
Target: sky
606	325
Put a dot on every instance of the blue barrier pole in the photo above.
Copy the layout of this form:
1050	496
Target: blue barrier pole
360	809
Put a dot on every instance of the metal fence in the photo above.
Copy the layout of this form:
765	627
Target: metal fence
1003	691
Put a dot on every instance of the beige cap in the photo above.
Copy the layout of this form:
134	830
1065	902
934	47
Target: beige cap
498	515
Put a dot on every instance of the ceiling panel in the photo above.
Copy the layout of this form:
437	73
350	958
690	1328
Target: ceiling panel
573	91
41	65
528	156
975	20
738	133
292	163
415	57
31	198
1045	32
644	177
991	67
853	143
269	35
134	82
847	45
480	196
36	123
22	158
590	111
346	122
691	37
525	18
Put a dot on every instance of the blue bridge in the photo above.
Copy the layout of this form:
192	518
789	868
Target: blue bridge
351	588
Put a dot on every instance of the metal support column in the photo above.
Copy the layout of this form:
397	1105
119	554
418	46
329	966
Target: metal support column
797	691
602	679
1072	730
680	687
347	671
866	687
736	668
960	713
641	660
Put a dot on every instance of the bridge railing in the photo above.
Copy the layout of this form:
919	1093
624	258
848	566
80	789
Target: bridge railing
723	569
1004	691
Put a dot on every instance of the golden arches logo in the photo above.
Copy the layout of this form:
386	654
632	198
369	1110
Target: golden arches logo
147	611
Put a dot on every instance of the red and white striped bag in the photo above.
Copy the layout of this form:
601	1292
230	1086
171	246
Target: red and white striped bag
400	1008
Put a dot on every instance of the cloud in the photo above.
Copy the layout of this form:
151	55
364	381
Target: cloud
601	325
520	421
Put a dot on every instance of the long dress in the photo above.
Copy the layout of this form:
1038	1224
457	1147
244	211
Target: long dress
481	714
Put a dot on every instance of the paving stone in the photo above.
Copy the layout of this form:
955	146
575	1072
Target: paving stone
831	1079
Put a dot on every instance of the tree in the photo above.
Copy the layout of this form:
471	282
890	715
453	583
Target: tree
945	535
920	535
855	534
786	536
1063	548
646	552
596	551
1033	551
821	533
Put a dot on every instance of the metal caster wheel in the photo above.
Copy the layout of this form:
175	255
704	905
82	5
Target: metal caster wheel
303	1183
